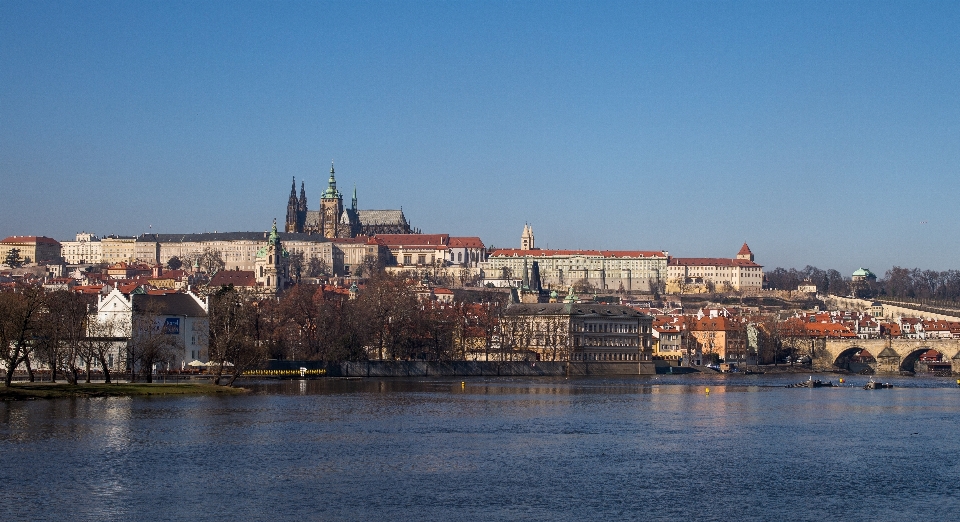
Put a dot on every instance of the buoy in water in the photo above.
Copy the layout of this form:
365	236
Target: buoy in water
708	390
841	381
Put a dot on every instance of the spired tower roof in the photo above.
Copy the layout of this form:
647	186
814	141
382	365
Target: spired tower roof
331	192
273	240
745	252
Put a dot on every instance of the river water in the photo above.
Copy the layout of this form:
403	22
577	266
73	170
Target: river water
644	448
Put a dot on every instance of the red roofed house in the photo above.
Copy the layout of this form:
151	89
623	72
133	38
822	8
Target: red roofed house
33	249
698	274
246	279
722	336
124	270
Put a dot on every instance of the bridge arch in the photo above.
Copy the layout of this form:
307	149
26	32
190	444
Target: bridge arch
938	363
855	359
888	355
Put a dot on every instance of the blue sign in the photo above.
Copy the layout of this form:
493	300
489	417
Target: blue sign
172	326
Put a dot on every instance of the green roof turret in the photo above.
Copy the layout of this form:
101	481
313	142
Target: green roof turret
331	192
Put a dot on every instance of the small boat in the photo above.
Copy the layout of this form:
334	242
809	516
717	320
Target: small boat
810	383
874	385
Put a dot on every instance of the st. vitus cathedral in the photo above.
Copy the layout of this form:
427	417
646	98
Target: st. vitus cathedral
333	220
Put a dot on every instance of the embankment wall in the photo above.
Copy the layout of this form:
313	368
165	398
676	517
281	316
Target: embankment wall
467	368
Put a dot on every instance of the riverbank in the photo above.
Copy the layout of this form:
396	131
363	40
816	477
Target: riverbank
31	391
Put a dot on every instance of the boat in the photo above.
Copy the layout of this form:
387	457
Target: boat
874	385
810	383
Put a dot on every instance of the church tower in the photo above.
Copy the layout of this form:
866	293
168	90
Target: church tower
331	207
293	209
302	210
270	266
745	253
526	239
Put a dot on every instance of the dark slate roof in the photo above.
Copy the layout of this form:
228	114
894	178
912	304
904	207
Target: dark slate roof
579	309
382	217
170	304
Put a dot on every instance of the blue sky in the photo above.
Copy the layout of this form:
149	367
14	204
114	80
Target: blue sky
820	133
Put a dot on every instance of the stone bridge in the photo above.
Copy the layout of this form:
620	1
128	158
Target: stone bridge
892	355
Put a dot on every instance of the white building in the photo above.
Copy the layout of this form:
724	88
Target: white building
87	249
687	274
607	270
182	317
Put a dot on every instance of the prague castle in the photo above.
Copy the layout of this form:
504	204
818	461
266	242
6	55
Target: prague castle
333	220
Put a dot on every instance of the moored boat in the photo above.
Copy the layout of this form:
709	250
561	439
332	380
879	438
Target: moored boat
811	383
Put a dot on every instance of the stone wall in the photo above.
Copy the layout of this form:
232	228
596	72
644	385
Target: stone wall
468	368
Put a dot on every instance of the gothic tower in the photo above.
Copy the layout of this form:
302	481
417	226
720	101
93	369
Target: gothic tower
302	210
526	239
293	209
745	253
331	207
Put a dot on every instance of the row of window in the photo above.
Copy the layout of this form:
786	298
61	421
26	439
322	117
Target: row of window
606	357
606	327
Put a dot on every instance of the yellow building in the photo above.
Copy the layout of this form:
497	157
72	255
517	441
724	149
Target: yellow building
33	249
118	249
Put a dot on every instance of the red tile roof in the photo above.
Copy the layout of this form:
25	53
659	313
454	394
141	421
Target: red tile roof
412	239
246	278
712	261
715	324
31	239
828	330
466	242
516	252
744	251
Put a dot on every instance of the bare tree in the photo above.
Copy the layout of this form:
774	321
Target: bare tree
211	260
370	266
60	331
150	342
18	321
234	325
296	265
582	286
102	343
317	267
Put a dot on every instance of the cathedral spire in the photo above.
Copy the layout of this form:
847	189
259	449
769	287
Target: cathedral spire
353	203
331	191
293	207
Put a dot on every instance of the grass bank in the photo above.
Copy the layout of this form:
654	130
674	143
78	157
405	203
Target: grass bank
28	391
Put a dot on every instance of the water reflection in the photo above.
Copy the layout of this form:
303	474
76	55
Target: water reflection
540	449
